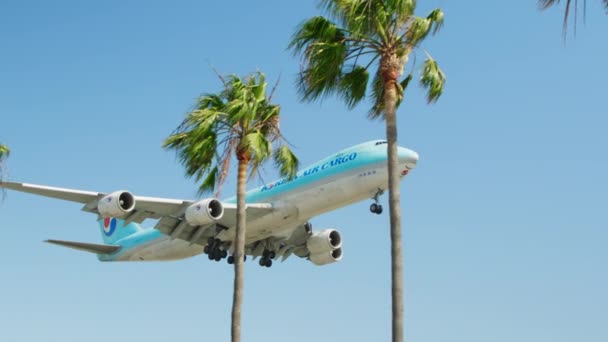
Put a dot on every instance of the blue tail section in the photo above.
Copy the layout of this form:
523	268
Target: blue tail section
113	229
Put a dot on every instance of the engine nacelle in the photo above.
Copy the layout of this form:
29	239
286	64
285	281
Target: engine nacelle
204	212
324	241
118	204
325	258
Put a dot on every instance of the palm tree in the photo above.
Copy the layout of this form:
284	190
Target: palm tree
239	121
337	54
544	4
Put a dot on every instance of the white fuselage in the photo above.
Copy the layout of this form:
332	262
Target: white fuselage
292	209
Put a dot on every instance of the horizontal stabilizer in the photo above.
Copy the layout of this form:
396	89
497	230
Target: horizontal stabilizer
87	247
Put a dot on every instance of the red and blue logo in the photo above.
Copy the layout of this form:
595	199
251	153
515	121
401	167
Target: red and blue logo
109	226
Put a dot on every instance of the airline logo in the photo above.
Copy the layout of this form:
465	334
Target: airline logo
340	159
109	226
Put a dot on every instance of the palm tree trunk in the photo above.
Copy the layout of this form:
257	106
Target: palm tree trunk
390	72
239	250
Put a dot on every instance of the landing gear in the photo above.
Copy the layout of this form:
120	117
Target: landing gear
214	249
376	207
267	256
265	262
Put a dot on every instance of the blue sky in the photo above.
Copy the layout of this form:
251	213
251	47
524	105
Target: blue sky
505	225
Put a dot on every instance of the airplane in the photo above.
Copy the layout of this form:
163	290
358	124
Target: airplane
278	213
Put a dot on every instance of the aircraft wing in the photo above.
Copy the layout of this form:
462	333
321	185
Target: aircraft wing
169	212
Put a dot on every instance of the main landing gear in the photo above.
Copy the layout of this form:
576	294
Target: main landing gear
214	249
267	256
376	207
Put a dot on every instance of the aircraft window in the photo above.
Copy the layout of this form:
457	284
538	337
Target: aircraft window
381	142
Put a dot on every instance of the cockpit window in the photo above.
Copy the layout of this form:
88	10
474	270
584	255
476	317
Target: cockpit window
380	143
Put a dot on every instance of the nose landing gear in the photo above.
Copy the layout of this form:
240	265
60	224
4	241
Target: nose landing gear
376	207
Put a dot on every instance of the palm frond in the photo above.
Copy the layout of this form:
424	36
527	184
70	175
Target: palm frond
4	151
402	87
402	9
377	109
418	30
208	185
315	29
257	145
353	85
321	75
436	19
238	120
286	161
377	31
545	4
433	79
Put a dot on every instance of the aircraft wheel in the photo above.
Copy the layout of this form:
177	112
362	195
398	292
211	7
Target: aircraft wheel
379	209
210	256
230	260
373	208
211	241
206	249
268	263
224	254
262	262
271	255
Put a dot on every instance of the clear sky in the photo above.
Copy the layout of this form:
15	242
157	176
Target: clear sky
505	215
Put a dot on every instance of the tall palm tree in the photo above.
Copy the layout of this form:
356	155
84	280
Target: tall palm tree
239	121
544	4
337	54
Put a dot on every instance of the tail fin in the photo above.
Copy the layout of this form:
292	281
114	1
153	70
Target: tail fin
113	229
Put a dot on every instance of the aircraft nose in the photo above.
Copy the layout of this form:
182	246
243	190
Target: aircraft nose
408	157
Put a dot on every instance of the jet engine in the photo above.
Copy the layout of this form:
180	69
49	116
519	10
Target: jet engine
325	258
325	247
117	204
204	212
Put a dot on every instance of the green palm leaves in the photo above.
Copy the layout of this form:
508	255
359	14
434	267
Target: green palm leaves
337	54
4	152
544	4
241	121
433	79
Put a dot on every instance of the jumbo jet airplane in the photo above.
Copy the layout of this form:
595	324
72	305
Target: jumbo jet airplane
278	213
